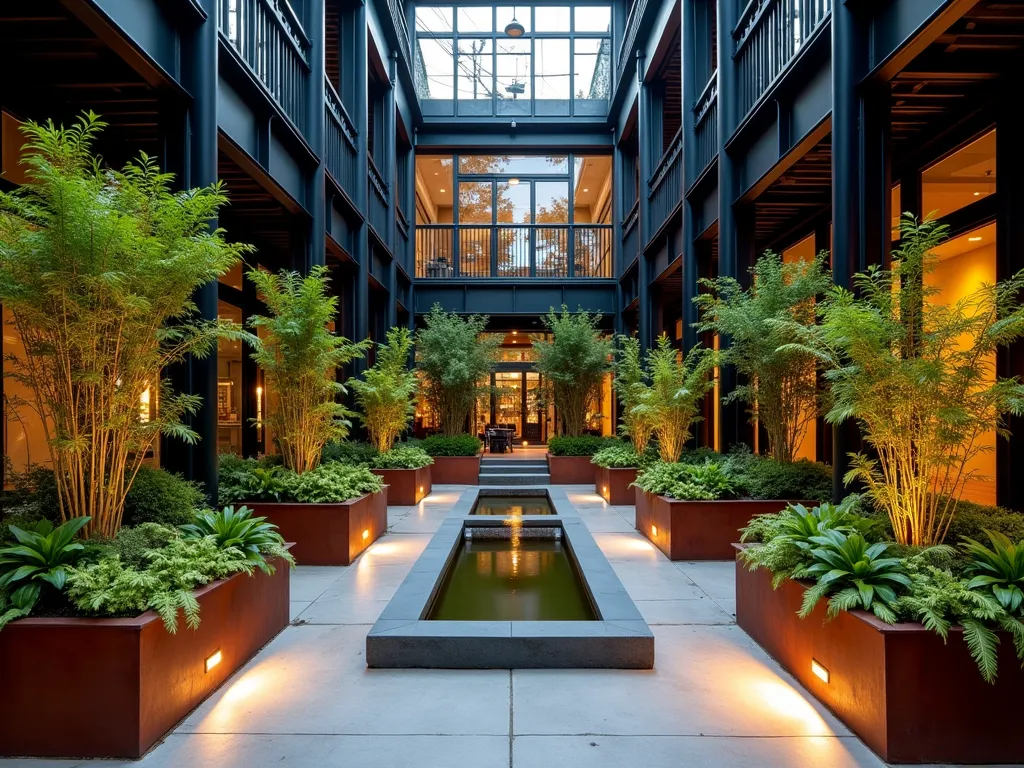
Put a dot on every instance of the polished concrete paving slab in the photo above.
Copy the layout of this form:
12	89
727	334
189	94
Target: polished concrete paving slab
714	698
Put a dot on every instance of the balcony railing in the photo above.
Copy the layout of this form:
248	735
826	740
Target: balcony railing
339	141
631	235
534	250
636	13
705	126
397	11
768	37
270	40
378	201
665	187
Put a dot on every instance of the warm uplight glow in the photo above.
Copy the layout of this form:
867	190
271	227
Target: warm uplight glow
214	660
977	194
585	189
515	333
144	406
819	671
421	489
974	239
442	191
366	534
604	489
525	443
654	530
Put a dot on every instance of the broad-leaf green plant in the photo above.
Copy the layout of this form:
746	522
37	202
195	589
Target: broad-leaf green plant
254	537
39	559
402	457
999	570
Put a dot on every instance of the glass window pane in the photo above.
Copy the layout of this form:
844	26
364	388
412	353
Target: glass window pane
515	165
552	19
592	190
513	76
434	190
551	66
968	175
593	18
475	75
229	385
592	62
514	202
507	12
475	202
552	202
434	79
434	18
475	19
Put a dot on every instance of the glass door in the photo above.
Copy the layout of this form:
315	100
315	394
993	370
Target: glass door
508	401
532	407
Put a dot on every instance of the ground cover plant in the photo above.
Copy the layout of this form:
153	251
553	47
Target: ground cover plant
402	457
250	480
622	456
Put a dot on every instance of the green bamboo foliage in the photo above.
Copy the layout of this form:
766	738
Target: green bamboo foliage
671	401
760	325
98	268
630	383
386	394
573	362
300	357
919	378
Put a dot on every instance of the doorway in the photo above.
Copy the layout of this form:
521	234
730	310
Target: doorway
514	403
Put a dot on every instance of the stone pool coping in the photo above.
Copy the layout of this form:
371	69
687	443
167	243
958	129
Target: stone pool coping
402	638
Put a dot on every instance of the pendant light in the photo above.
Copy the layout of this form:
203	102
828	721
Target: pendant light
514	28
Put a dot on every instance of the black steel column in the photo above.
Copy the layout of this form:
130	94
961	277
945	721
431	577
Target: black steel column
618	212
199	376
1009	261
733	419
316	114
362	190
644	162
391	176
688	59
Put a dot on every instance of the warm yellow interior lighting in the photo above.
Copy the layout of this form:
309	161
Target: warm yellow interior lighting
214	660
819	671
654	530
366	534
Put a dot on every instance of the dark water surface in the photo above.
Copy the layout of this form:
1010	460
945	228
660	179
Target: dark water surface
512	505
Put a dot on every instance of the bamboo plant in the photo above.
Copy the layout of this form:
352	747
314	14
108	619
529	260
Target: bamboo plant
919	377
671	400
299	357
573	362
98	268
630	384
760	324
387	391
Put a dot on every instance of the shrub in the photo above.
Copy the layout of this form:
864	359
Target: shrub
385	393
402	457
677	385
761	478
452	354
781	389
686	482
972	520
31	497
349	452
583	445
134	543
572	363
451	445
158	496
118	300
620	457
333	483
299	357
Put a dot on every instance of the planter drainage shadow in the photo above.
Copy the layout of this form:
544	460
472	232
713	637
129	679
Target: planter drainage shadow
511	580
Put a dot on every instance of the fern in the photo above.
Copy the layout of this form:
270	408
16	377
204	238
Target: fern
982	643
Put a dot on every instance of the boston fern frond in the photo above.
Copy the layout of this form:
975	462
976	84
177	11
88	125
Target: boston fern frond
982	643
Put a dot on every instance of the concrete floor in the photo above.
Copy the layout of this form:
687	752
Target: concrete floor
308	700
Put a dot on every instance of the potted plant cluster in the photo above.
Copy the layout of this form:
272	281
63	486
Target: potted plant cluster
890	620
331	511
615	466
453	354
385	397
572	362
90	608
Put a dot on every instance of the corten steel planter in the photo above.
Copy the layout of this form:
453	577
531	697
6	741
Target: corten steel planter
406	487
570	470
908	695
114	687
613	484
328	534
697	530
456	470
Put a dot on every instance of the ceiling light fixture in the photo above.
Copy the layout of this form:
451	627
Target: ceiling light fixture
514	28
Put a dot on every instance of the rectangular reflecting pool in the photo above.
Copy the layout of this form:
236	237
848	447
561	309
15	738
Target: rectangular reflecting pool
515	579
513	504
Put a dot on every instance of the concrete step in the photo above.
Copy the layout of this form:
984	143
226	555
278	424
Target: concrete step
487	478
515	466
